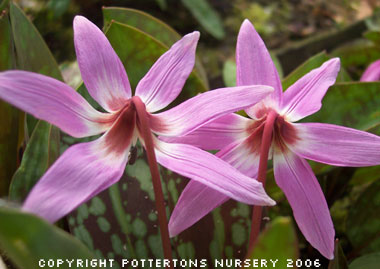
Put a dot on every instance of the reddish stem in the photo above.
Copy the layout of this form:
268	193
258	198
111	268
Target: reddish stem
266	142
160	205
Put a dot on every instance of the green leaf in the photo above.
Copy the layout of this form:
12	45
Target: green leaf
206	16
370	261
33	55
373	36
339	261
162	4
277	242
58	7
151	26
32	52
363	220
26	239
352	104
11	131
138	51
229	73
359	53
41	151
313	62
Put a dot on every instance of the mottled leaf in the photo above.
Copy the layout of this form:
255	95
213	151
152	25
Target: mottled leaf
26	239
351	104
363	220
206	16
277	242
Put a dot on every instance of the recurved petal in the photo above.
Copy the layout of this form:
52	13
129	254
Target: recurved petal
372	73
165	80
102	71
304	97
211	171
214	135
254	63
197	200
83	171
206	107
336	145
296	179
53	101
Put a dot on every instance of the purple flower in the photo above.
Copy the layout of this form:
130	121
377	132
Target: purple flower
86	169
372	73
239	140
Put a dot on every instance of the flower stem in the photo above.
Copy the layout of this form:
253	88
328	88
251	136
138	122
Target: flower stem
160	205
266	142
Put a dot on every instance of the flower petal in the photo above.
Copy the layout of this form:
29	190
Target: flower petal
336	145
304	97
83	171
208	169
102	71
206	107
214	135
197	200
372	73
165	80
53	101
254	63
295	177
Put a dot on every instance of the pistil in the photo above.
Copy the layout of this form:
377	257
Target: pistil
159	197
266	142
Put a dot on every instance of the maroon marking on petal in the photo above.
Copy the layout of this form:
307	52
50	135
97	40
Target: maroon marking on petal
284	134
256	129
120	135
157	125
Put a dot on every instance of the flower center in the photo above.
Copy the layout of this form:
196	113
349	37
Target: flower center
283	132
119	137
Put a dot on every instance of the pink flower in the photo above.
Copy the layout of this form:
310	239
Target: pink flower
86	169
372	73
239	140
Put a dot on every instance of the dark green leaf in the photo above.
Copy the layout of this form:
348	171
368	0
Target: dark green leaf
26	239
33	55
32	52
206	16
163	4
370	261
151	26
339	261
363	220
11	131
351	104
374	36
40	152
313	62
277	242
